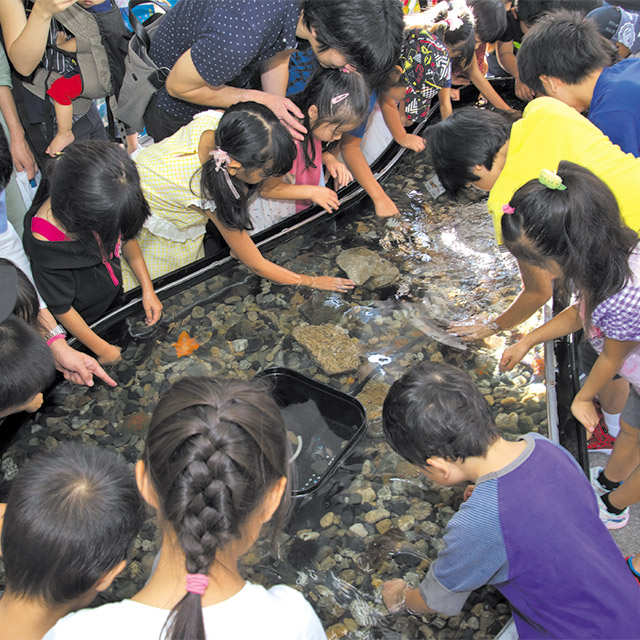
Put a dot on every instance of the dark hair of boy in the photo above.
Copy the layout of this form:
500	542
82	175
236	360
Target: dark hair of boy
72	516
324	85
530	11
214	449
562	45
27	364
580	228
490	19
96	196
367	32
467	138
27	305
6	161
452	23
435	409
253	136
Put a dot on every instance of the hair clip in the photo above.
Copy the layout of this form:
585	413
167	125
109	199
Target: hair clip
551	180
197	583
340	98
222	159
508	209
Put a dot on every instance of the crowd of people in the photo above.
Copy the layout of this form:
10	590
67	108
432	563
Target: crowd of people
264	101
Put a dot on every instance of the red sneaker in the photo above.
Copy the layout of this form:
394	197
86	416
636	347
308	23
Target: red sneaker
601	440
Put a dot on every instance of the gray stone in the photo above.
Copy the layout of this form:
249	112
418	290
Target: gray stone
366	267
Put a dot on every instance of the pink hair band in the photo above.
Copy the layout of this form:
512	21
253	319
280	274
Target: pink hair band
197	583
508	209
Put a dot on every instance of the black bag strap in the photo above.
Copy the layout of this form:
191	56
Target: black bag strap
137	26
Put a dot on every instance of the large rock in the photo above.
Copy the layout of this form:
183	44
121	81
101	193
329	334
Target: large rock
330	347
365	267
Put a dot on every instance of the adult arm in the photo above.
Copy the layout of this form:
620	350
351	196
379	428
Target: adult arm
185	83
359	167
25	40
393	121
277	189
150	301
77	367
243	248
76	324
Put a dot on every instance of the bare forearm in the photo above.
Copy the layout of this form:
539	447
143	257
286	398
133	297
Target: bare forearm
415	603
506	58
285	191
537	289
485	88
75	324
133	255
392	118
357	164
10	113
566	322
444	98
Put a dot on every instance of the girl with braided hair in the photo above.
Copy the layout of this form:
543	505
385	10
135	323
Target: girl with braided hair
215	467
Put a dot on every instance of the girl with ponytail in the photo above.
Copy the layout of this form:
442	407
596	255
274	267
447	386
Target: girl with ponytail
207	171
215	467
569	224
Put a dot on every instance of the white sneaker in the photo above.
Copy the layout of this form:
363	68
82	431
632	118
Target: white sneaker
594	472
611	520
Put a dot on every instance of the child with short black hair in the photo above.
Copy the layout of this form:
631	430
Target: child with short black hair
70	522
564	57
480	148
529	527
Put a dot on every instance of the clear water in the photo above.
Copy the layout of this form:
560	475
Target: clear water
377	518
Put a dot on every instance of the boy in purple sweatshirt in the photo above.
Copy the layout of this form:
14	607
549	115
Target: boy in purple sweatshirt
530	525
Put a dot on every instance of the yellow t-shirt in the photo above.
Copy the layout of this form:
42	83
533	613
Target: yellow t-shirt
551	131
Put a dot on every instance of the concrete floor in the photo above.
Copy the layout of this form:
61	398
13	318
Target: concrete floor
627	538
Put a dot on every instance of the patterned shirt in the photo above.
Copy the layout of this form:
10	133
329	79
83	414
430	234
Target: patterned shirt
228	40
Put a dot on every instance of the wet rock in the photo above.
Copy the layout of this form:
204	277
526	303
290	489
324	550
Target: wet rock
359	530
372	397
365	267
376	515
383	526
322	308
330	347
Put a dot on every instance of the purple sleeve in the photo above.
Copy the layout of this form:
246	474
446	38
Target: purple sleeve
619	316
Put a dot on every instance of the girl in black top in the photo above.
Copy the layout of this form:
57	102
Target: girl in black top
88	209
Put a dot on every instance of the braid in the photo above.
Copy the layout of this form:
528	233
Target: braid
212	452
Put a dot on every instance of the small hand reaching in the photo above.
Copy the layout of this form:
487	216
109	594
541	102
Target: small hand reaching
339	172
61	140
413	142
513	354
325	197
152	307
329	283
110	355
385	207
585	412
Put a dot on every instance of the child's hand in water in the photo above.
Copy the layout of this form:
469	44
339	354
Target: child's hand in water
59	142
337	170
325	197
152	307
110	355
413	142
328	283
513	354
385	207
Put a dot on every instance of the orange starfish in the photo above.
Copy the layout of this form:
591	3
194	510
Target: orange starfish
185	345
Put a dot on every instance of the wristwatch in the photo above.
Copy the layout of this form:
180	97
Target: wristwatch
58	330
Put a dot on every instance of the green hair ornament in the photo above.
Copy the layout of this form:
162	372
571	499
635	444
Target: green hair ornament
551	180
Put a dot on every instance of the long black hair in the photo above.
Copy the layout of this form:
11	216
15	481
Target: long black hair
580	228
96	196
253	136
324	86
214	450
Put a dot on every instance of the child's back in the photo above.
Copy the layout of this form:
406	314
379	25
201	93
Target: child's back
532	530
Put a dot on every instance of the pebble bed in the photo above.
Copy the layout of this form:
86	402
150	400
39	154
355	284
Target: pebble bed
377	518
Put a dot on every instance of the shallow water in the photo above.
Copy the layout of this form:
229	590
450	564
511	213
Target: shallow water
376	518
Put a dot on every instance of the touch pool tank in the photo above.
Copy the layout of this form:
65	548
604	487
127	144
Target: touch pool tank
375	518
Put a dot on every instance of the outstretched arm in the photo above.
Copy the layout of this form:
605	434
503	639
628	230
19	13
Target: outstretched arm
393	121
484	86
279	190
244	249
150	301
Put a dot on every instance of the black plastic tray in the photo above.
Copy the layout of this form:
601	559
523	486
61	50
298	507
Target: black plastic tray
326	422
